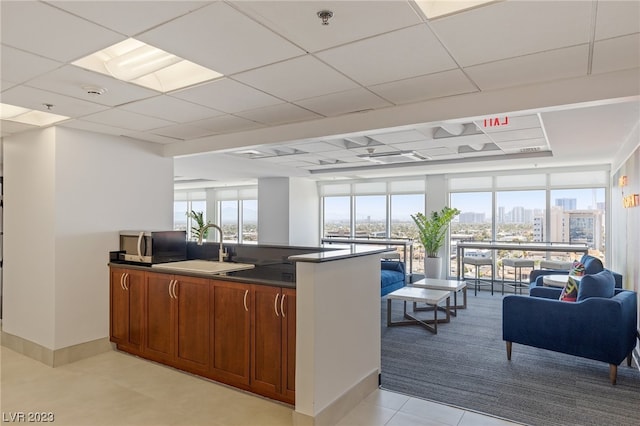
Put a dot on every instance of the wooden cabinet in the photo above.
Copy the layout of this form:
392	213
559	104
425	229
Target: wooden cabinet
230	325
273	342
125	307
236	333
176	320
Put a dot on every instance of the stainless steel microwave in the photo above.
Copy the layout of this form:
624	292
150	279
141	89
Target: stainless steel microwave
153	246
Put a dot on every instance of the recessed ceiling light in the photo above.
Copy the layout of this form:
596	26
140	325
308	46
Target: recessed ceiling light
436	8
29	116
134	61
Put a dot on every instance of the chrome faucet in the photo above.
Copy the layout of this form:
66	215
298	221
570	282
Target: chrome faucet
221	253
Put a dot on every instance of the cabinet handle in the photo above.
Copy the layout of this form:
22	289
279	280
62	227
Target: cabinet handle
282	305
122	280
170	288
175	284
126	281
275	305
244	301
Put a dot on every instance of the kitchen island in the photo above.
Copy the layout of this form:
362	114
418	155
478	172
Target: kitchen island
311	339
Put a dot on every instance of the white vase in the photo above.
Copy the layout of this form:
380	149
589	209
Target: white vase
432	267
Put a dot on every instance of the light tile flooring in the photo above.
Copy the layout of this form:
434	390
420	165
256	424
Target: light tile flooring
114	388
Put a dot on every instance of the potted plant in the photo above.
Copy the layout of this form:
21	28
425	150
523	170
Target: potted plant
432	230
198	218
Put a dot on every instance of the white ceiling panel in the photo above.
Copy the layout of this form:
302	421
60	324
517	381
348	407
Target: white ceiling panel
129	17
182	132
222	39
52	33
399	137
171	109
278	114
616	18
226	123
352	20
545	66
447	83
18	66
10	127
516	135
344	102
148	137
300	78
71	80
524	143
616	54
319	146
126	120
29	97
227	95
513	28
94	127
405	53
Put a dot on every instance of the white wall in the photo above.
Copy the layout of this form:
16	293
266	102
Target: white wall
304	213
84	188
288	211
29	236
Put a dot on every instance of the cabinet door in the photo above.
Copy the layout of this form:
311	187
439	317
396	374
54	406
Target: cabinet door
126	297
230	324
192	329
289	345
266	339
159	317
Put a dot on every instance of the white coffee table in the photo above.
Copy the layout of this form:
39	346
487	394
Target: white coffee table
558	280
420	295
453	286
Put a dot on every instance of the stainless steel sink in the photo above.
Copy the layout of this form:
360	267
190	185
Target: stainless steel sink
203	266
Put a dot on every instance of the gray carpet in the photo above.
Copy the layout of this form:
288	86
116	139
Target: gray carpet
465	365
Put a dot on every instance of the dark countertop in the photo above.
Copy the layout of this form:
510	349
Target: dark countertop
274	265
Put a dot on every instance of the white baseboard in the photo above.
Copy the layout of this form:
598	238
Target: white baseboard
58	357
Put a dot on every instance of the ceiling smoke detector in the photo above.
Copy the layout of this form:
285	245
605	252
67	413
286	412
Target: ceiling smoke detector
94	90
325	15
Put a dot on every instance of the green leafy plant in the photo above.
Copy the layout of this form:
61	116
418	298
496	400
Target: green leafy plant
433	228
198	217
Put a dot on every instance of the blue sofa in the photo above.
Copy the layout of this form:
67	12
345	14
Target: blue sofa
598	328
392	276
592	265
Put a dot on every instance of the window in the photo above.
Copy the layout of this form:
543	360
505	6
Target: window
337	216
249	221
229	220
371	216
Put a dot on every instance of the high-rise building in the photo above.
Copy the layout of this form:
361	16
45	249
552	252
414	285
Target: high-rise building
566	203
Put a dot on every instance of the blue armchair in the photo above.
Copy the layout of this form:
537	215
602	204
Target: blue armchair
592	265
392	276
598	328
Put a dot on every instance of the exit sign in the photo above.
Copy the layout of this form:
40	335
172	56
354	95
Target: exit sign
495	122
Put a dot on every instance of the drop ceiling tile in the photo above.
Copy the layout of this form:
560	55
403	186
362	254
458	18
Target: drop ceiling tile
182	132
227	96
438	151
299	78
93	127
29	97
226	124
513	28
352	20
126	120
398	137
148	136
70	80
5	84
314	147
18	66
516	135
344	102
278	114
227	41
171	109
535	68
419	145
524	143
616	18
50	32
616	54
447	83
129	17
405	53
